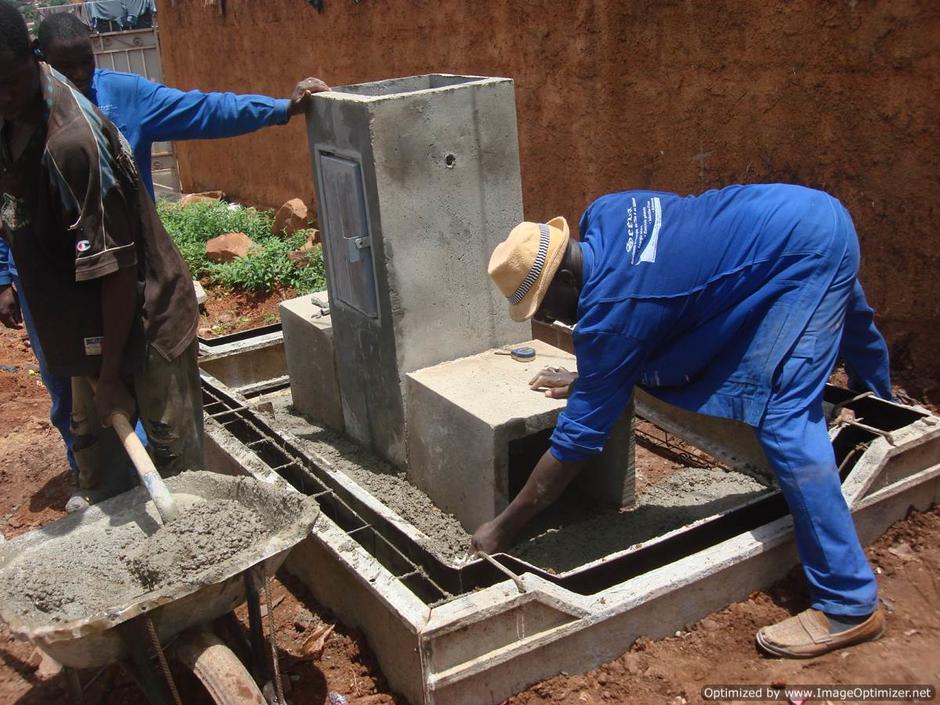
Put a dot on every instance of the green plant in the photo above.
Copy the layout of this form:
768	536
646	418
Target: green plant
266	268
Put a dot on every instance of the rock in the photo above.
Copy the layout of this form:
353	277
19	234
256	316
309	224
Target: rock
902	551
709	625
201	297
301	256
291	217
228	247
203	197
47	667
633	664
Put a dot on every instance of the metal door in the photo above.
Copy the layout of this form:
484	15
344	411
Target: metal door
345	222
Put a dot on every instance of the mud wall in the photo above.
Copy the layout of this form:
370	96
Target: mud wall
680	96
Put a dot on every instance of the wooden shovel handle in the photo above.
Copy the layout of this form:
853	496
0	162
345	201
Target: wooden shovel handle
147	471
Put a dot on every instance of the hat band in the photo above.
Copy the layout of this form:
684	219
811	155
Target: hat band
537	267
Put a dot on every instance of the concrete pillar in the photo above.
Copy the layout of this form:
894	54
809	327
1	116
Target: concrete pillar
417	181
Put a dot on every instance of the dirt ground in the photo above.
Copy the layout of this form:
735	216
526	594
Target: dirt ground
227	312
34	487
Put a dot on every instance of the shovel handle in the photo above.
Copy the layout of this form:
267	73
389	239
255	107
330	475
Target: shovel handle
146	470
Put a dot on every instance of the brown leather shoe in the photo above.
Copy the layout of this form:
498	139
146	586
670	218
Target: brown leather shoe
807	635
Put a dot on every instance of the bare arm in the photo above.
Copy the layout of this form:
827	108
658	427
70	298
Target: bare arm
546	483
118	305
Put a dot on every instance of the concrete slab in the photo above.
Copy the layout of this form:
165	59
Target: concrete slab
470	420
311	359
417	181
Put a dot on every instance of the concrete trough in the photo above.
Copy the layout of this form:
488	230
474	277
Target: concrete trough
466	634
251	362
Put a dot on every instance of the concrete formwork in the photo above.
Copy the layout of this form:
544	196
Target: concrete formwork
405	272
249	364
487	639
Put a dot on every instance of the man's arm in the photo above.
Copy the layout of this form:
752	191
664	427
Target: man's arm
118	307
863	348
546	483
10	315
168	114
609	366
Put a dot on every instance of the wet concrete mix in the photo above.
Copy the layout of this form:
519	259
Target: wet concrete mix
570	534
94	569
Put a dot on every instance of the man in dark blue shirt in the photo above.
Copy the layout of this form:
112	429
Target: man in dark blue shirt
736	303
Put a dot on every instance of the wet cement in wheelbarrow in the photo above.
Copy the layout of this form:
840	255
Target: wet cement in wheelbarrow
107	568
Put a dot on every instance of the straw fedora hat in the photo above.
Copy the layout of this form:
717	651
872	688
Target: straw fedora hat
525	263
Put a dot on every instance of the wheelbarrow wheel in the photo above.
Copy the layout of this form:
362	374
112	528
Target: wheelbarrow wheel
217	668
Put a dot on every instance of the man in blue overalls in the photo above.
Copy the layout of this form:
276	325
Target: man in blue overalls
145	112
736	303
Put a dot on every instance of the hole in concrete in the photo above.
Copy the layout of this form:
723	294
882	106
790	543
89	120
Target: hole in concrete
450	161
524	453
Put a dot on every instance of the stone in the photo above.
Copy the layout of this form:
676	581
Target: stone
203	197
311	359
201	296
291	217
411	204
228	247
475	431
301	256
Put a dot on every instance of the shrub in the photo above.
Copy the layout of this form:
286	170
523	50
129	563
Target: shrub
266	268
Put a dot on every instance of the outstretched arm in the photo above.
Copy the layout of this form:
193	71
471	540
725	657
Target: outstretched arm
168	114
610	365
546	483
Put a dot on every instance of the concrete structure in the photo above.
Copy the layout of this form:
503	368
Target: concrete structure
417	181
487	641
252	363
311	359
476	430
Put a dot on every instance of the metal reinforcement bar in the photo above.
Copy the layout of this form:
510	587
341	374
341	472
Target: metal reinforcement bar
434	581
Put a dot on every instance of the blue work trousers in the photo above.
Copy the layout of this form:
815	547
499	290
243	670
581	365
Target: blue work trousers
794	435
60	388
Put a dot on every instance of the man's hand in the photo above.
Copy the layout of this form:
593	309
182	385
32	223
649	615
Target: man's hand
556	381
300	98
10	314
489	538
111	395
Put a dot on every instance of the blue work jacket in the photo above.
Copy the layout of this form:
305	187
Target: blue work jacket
696	298
146	112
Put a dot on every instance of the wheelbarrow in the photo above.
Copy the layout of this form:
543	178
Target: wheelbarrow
171	618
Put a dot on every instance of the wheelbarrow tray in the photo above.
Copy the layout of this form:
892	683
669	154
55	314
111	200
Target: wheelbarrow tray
91	640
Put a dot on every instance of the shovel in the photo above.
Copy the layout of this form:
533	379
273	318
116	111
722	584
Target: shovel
146	470
149	477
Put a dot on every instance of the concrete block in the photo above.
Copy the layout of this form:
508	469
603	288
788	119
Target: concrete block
417	182
311	360
470	421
